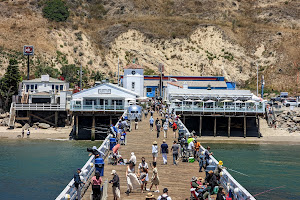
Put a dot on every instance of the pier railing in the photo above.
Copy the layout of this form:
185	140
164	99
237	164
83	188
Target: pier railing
227	181
82	107
70	193
40	106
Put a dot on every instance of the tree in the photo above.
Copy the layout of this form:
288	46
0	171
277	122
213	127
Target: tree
56	10
9	84
70	74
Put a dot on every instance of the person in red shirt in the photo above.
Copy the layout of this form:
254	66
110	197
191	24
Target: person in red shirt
174	126
96	185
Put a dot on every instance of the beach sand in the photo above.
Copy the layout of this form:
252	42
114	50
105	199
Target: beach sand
51	133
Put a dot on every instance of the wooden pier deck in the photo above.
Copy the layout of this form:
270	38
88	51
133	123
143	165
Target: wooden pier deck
175	178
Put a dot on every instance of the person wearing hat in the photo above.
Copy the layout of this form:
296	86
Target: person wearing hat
165	195
201	190
150	196
154	178
218	169
154	151
164	150
115	185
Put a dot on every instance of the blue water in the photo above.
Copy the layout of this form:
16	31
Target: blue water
39	169
267	165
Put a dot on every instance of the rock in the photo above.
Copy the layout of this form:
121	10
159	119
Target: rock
295	128
4	115
18	125
5	122
26	126
296	119
43	125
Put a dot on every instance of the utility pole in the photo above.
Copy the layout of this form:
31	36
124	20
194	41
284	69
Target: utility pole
118	73
257	80
80	77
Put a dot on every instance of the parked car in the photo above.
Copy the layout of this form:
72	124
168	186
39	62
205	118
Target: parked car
291	102
281	97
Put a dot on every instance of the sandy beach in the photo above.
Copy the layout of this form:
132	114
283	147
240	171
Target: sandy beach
51	133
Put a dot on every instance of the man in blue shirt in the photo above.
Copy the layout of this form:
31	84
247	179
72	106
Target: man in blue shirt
77	183
164	150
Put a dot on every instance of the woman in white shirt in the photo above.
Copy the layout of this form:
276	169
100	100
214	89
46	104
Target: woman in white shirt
154	151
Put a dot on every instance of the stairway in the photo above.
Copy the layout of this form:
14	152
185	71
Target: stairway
12	116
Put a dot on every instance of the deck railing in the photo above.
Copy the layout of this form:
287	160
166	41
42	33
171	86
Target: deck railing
81	107
258	108
226	180
40	106
70	193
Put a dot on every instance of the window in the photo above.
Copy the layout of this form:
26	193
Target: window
133	85
56	87
61	87
35	86
118	102
52	87
149	89
27	88
32	87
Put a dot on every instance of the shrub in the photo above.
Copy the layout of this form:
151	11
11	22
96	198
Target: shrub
56	10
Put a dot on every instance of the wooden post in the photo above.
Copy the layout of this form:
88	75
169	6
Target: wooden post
110	120
229	124
200	126
93	129
245	126
215	127
76	129
56	118
184	119
258	127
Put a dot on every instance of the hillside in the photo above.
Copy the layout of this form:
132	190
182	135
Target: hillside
192	37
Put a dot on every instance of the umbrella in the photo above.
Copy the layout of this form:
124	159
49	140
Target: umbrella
210	101
238	101
176	100
226	100
250	101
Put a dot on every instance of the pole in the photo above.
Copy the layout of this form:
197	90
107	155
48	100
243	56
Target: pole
27	67
257	80
118	73
80	77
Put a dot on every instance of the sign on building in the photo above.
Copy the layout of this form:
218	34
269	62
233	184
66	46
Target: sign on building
28	50
104	91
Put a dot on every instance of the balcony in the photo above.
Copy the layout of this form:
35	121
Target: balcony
39	106
82	107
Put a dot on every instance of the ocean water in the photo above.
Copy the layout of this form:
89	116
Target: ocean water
273	170
39	169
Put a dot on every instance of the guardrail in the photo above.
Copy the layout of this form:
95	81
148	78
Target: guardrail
40	106
70	193
97	108
226	180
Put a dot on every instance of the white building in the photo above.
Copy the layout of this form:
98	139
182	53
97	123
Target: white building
134	78
104	97
45	90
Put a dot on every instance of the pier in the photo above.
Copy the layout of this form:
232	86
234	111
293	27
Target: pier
175	178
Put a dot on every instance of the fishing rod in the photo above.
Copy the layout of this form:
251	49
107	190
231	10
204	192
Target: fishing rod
237	172
269	190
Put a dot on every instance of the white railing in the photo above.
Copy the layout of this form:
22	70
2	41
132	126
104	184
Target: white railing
81	107
227	179
40	106
87	171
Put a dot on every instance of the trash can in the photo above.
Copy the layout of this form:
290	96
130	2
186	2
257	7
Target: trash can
99	165
112	143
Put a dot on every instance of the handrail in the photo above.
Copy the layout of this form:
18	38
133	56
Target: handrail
87	170
227	180
37	106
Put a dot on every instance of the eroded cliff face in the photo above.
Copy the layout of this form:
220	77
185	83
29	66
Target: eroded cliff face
187	37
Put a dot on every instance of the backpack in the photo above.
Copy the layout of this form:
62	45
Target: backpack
164	198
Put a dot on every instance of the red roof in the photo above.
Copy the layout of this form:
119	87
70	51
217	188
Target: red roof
133	66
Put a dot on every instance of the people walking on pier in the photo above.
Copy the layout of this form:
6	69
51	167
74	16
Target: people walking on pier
151	120
175	148
174	126
156	121
96	186
164	150
142	176
154	151
158	128
132	180
155	177
132	158
144	165
136	123
146	113
77	183
115	185
165	195
165	127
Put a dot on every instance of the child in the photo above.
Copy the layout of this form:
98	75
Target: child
143	178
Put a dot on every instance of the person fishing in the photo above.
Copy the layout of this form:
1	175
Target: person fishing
77	183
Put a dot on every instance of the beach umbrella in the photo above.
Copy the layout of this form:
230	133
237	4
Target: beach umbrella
238	101
250	101
210	101
226	100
